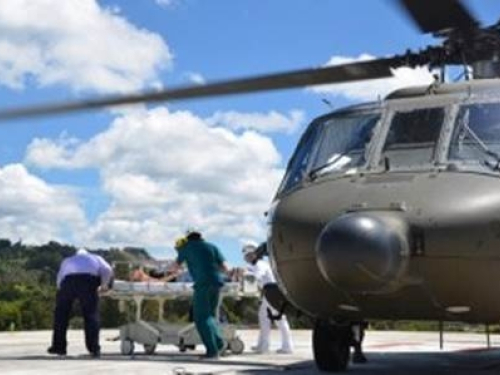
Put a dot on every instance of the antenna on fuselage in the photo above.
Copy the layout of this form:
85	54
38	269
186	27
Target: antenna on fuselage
328	103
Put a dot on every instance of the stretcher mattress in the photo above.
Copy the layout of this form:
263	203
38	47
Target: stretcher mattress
151	289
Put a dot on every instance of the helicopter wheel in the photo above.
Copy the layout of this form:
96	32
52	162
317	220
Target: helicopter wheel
331	346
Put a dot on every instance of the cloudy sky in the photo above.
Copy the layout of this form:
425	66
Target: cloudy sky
140	176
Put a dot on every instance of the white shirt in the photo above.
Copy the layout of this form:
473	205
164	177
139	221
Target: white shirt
84	262
263	273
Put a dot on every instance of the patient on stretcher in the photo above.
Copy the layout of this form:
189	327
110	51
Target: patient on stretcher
139	274
150	280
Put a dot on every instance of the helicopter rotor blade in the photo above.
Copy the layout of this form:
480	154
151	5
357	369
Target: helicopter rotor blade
364	70
433	16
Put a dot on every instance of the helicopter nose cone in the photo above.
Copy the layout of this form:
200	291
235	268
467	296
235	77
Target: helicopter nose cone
364	252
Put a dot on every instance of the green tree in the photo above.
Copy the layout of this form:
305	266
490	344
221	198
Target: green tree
10	315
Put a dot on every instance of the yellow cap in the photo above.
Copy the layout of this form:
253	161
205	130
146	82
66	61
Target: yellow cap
180	242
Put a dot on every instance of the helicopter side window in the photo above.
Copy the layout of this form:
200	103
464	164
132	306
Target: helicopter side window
476	135
412	137
343	143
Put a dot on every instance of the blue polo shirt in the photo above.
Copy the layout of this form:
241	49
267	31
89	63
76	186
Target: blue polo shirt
203	260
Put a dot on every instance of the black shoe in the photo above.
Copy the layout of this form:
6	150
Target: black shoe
223	350
359	358
52	350
95	352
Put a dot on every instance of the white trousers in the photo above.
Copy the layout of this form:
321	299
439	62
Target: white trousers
265	329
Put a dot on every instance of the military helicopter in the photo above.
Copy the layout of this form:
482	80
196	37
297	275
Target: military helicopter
387	210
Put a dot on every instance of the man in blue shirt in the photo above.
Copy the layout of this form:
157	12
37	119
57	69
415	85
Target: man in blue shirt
205	264
80	277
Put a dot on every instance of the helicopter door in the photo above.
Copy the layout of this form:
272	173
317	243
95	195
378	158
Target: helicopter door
412	138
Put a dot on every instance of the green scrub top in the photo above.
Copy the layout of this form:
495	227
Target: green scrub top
203	261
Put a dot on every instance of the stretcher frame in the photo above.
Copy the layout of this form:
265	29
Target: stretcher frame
150	334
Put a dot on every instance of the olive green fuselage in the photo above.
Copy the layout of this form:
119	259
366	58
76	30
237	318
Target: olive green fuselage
458	265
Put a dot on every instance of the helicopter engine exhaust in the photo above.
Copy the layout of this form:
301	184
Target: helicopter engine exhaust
364	252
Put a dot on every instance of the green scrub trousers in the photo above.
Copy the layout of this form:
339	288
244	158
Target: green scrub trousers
206	301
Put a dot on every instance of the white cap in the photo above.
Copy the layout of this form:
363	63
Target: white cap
248	248
81	251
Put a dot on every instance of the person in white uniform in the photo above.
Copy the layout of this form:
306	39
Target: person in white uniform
263	274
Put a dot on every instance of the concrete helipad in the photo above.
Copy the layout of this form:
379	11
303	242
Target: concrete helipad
388	353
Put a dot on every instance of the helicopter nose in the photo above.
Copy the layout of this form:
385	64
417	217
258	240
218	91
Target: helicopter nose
364	252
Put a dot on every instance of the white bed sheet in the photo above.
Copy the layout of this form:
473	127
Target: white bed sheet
123	288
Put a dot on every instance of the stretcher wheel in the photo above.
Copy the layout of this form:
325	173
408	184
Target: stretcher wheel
127	347
182	346
149	349
236	346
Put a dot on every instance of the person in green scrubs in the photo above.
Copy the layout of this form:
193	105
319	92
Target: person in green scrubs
206	264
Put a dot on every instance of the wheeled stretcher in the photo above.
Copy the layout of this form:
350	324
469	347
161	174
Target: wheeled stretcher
150	334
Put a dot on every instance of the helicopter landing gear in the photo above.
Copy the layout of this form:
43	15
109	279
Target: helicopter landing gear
331	346
358	334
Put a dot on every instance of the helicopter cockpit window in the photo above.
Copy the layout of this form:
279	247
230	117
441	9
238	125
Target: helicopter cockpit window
412	137
343	143
476	135
297	166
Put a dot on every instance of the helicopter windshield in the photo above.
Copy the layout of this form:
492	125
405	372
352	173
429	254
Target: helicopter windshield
331	144
297	166
342	144
412	137
476	135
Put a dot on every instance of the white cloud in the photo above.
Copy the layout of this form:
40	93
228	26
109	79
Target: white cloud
195	78
263	122
54	154
76	43
165	171
34	211
373	89
166	3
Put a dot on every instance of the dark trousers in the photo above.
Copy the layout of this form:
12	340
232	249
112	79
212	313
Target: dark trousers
81	287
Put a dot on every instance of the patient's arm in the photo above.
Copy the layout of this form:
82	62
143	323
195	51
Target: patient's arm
236	274
224	268
171	275
175	268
